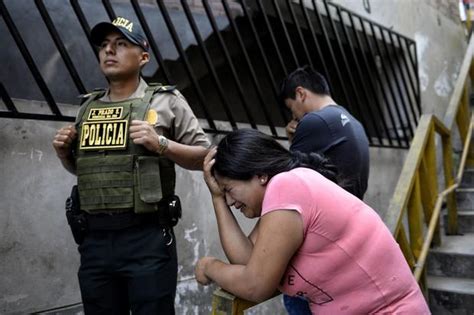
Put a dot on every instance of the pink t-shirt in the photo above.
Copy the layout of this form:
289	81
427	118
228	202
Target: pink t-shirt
349	263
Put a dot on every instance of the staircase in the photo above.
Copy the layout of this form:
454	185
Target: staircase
451	266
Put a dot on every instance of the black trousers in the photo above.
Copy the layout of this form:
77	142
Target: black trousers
134	268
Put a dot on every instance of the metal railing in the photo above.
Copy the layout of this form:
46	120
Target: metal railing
372	70
416	199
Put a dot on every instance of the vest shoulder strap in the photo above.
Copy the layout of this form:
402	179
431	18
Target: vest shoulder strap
156	88
86	100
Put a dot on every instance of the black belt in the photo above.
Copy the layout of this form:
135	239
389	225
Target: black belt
117	221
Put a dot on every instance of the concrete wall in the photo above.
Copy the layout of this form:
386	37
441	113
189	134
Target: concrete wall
38	258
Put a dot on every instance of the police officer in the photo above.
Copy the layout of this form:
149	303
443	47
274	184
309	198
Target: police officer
122	148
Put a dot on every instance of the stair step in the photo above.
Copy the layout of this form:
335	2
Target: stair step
454	258
468	178
465	198
451	295
465	221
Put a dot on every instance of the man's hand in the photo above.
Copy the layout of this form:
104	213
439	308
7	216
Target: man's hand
63	141
290	129
141	132
200	270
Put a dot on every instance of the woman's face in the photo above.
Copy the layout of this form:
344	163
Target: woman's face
245	195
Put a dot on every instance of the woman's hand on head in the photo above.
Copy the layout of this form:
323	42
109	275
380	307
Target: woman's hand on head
211	182
200	270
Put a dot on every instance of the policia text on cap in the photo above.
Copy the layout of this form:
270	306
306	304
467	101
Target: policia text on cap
123	147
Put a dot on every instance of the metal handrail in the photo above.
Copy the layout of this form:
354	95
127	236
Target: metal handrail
420	170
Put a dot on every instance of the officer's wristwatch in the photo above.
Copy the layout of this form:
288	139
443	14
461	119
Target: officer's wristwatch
163	142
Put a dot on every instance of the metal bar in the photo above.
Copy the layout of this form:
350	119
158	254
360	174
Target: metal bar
272	36
359	74
394	215
250	68
20	115
415	226
434	224
285	32
228	59
85	26
397	84
298	30
208	61
429	181
410	76
414	63
108	8
463	116
372	22
449	181
264	58
346	65
60	46
390	88
29	60
369	78
381	85
405	247
331	52
467	148
151	41
316	43
187	65
404	82
7	100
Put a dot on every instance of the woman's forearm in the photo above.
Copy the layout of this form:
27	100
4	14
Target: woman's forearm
238	280
237	246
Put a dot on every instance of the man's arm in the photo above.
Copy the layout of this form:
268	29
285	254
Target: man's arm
312	135
187	156
63	144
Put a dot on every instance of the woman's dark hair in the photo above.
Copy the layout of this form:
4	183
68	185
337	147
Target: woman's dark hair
245	153
305	77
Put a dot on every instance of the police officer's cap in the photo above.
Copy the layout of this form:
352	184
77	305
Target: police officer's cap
129	29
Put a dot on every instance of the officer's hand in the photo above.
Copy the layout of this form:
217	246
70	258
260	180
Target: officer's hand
200	270
290	129
63	141
210	180
141	132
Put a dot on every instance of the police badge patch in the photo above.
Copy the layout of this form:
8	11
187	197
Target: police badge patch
104	129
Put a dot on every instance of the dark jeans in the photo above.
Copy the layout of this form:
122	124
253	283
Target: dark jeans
296	305
133	269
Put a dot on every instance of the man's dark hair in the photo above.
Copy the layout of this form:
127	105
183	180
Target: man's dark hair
305	77
245	153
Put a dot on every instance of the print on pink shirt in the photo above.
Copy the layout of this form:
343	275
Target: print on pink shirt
314	294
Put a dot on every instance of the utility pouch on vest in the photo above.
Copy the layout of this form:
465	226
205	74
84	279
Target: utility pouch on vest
75	217
106	182
148	181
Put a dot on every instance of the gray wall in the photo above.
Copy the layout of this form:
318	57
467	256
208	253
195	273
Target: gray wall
38	258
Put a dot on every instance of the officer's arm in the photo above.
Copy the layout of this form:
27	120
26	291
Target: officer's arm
69	164
186	156
63	144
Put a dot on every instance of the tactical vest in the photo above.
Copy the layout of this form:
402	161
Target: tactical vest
113	173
